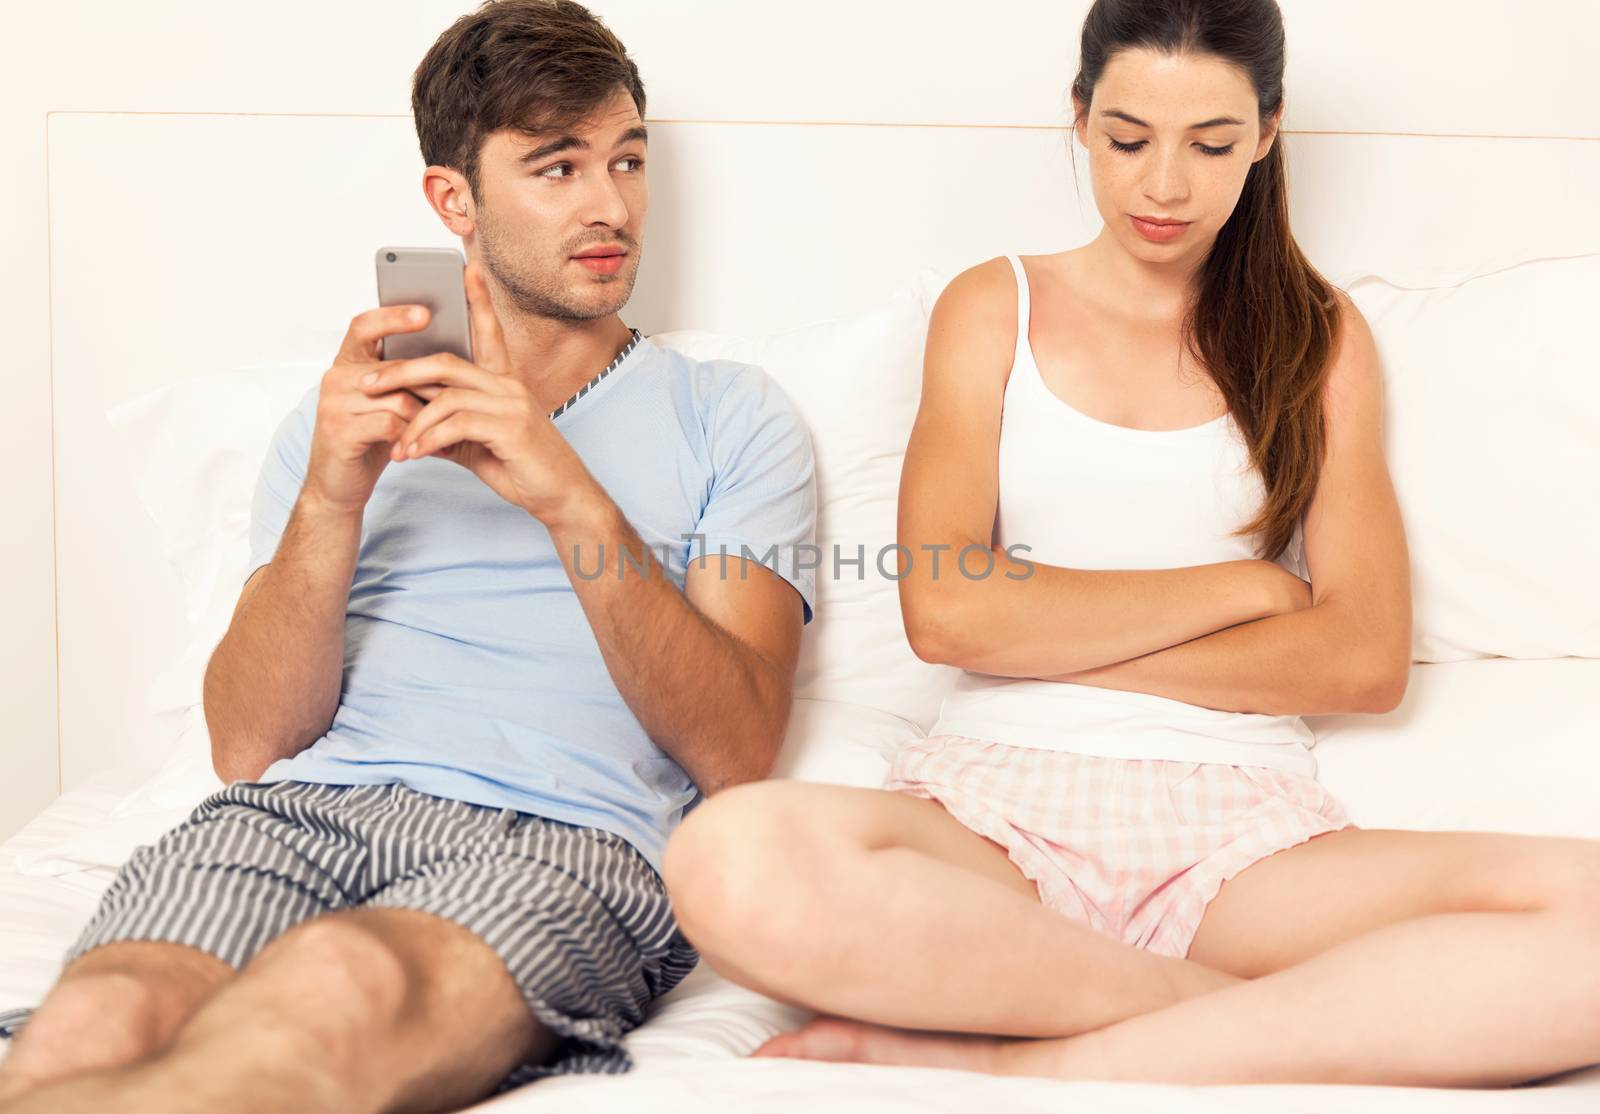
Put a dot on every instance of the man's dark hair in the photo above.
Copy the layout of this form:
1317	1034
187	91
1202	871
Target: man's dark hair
537	66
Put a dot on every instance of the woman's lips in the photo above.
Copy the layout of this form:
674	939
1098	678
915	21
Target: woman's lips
1159	233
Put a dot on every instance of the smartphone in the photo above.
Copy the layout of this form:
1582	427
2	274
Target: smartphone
432	277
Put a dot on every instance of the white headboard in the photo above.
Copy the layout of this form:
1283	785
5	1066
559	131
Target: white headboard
782	141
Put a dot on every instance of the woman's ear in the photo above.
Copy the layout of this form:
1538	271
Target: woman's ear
1080	120
1269	133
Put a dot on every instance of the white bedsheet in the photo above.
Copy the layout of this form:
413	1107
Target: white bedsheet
39	916
682	1062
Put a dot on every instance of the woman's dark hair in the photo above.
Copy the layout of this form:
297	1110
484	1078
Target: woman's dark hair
537	66
1261	320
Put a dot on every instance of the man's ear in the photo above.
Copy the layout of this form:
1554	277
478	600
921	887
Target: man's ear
448	193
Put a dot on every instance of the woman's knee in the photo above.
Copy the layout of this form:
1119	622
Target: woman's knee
737	859
1578	888
1560	874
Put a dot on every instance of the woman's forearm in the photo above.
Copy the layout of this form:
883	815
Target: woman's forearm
1025	619
1314	661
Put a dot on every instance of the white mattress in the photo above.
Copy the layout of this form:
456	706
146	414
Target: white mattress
681	1053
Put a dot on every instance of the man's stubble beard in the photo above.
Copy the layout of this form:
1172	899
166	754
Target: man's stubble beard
542	294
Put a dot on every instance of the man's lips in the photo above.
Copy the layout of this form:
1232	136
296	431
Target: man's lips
601	261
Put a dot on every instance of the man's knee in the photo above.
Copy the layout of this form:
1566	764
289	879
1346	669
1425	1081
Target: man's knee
358	998
120	1012
115	1005
356	979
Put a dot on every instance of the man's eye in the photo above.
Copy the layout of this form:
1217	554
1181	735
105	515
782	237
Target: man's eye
638	163
549	171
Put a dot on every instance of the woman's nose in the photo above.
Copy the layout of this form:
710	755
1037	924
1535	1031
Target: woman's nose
1167	184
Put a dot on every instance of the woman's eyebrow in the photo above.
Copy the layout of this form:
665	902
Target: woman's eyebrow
1215	121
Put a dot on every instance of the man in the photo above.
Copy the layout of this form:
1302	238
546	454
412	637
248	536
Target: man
464	698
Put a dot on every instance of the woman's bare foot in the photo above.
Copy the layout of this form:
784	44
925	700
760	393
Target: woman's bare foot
842	1040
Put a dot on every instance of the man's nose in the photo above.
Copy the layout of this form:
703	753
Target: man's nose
604	204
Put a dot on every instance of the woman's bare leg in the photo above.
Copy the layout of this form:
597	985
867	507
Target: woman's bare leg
1501	995
883	907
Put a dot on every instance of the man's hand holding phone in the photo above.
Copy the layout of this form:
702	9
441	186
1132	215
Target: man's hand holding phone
356	428
480	416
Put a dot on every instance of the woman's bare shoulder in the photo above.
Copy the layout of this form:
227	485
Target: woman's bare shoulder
973	325
1354	377
981	292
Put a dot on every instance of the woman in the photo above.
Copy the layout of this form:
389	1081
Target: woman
1114	836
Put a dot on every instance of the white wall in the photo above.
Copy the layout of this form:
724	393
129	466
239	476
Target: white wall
1496	68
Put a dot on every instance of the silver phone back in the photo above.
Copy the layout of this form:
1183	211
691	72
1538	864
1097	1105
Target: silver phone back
429	277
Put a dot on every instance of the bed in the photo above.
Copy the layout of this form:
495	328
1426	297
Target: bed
689	1054
185	322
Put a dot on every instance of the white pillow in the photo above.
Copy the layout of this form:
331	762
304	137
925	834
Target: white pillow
857	381
841	744
1493	408
1493	745
198	446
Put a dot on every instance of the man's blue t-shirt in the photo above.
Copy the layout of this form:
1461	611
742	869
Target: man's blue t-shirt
470	670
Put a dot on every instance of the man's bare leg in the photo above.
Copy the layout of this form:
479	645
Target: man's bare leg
114	1006
361	1010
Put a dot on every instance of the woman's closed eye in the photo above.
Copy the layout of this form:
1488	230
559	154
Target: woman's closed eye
1130	148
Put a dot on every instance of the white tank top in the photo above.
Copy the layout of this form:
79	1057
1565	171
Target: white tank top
1086	494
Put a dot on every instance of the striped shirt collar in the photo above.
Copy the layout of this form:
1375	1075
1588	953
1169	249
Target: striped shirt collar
633	342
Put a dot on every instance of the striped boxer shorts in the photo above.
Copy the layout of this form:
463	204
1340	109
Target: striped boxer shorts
1133	848
578	915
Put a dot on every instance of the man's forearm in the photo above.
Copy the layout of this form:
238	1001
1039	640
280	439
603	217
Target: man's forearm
272	685
1305	662
711	702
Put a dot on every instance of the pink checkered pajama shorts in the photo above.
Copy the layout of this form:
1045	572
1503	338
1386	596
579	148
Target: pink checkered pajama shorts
1134	848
